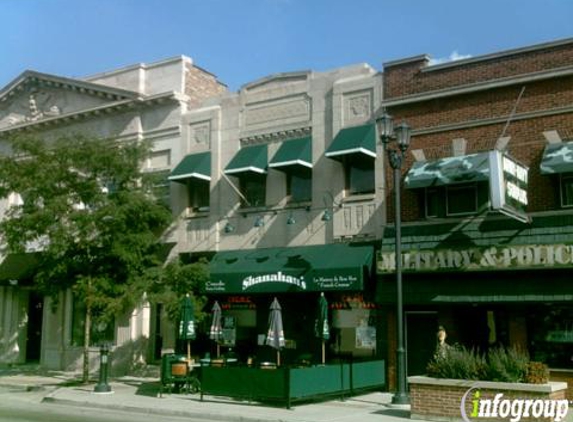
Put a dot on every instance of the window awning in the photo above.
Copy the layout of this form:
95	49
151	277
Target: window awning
557	158
18	267
293	153
196	166
295	269
253	158
353	140
449	171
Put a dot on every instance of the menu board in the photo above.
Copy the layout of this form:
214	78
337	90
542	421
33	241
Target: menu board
229	331
365	337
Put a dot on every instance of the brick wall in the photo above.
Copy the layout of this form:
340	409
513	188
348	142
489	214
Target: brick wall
414	77
442	402
563	376
200	85
481	117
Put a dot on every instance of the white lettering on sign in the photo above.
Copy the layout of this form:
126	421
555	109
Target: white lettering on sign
475	259
278	277
515	192
515	169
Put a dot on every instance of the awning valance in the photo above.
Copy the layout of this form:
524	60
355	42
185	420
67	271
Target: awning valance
249	159
449	171
353	140
557	158
18	267
196	166
295	269
293	153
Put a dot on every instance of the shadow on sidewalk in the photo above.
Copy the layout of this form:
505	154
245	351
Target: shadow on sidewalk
397	413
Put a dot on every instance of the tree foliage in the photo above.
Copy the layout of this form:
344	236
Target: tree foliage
89	211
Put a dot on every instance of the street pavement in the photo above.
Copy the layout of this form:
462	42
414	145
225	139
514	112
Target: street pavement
140	394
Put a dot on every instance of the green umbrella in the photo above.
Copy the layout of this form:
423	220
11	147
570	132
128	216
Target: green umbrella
275	335
187	323
322	330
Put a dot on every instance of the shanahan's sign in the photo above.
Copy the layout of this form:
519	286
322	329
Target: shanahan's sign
492	258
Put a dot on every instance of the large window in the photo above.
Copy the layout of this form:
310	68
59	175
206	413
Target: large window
567	190
455	200
253	187
359	174
299	187
198	195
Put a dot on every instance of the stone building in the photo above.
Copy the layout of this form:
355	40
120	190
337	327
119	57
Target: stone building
280	185
488	128
144	101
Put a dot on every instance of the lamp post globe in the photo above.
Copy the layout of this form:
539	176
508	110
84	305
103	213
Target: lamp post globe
396	154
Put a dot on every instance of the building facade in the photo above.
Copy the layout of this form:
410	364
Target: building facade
487	210
288	166
144	101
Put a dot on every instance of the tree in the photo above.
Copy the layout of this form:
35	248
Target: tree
170	284
89	211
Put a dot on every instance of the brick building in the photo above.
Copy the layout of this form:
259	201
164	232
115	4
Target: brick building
490	277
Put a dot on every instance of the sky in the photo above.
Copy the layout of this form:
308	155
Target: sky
241	41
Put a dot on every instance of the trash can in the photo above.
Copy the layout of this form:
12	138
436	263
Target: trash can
168	380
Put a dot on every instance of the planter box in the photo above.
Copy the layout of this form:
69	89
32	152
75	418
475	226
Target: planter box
441	399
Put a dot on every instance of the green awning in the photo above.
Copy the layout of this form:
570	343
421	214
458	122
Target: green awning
557	158
296	269
18	267
449	171
253	158
353	140
294	152
196	166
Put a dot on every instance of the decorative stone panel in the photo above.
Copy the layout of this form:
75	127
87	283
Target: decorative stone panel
357	107
200	134
273	113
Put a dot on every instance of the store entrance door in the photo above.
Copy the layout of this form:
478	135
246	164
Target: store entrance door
34	331
420	340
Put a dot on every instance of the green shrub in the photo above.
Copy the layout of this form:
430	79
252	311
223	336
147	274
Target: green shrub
499	364
507	365
458	363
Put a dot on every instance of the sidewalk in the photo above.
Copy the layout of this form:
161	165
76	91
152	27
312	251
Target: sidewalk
141	395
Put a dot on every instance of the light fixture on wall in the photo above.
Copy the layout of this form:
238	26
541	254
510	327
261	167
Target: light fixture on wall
290	220
259	221
326	216
229	228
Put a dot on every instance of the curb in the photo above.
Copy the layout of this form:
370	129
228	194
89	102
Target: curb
21	388
153	411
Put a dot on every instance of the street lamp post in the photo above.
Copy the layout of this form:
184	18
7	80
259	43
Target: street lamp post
396	153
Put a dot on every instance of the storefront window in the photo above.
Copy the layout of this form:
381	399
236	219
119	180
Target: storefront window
550	332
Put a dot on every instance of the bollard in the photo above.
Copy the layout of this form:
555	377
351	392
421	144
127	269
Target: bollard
102	386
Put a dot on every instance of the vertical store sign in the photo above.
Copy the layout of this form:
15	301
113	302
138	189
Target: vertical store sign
508	186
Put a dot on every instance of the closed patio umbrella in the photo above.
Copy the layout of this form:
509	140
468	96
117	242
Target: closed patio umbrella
187	323
216	332
322	329
275	335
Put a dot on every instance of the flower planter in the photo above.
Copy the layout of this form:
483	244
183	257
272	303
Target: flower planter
441	400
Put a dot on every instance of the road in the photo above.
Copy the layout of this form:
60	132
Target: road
28	407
